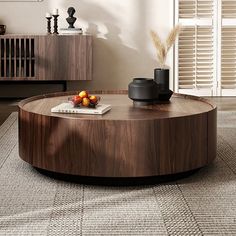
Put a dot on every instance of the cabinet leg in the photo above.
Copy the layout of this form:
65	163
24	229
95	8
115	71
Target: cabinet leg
65	86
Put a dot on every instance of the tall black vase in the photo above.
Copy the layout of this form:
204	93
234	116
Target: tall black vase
161	77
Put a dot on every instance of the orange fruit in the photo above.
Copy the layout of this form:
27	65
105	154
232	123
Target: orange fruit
76	100
85	102
93	99
83	94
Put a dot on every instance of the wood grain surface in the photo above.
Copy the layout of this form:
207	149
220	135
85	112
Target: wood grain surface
127	141
64	57
45	57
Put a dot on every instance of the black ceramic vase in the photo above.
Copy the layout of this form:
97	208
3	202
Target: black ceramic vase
143	91
161	77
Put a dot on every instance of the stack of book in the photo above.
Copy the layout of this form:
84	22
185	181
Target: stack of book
71	31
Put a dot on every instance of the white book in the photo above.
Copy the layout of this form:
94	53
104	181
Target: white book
69	108
71	31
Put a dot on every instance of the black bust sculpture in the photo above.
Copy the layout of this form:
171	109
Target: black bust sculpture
71	19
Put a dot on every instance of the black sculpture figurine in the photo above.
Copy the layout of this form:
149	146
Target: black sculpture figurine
71	19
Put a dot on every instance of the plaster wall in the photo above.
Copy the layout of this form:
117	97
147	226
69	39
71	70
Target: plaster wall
122	47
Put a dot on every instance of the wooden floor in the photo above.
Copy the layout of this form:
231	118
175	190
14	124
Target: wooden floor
225	103
7	106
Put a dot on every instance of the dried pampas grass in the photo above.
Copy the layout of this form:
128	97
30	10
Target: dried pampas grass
163	48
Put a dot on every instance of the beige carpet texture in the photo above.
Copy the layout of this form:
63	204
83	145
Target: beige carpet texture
202	204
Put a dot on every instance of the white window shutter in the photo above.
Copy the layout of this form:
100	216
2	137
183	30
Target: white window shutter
228	48
228	9
187	9
196	47
187	58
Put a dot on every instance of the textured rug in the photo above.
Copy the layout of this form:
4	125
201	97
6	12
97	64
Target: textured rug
203	204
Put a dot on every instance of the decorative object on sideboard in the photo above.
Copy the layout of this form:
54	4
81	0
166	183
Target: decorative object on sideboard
3	29
71	19
71	30
48	17
161	75
55	16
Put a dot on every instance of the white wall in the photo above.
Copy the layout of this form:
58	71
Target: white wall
122	45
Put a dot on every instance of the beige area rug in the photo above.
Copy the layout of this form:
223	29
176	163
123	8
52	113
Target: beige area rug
203	204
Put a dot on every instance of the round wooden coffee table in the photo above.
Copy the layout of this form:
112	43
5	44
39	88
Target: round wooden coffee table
128	141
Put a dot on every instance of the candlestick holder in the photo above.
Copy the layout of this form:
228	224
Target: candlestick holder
49	25
55	24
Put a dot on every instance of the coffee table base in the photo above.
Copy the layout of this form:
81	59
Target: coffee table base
106	181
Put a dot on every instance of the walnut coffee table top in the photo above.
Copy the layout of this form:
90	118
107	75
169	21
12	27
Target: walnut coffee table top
122	107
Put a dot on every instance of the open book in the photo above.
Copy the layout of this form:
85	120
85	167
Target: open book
69	108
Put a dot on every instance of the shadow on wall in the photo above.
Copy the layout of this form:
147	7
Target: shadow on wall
114	63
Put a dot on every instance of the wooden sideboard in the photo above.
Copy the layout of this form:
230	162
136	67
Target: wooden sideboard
45	57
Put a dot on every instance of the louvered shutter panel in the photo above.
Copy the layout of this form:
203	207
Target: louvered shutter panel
228	48
187	58
196	47
228	9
